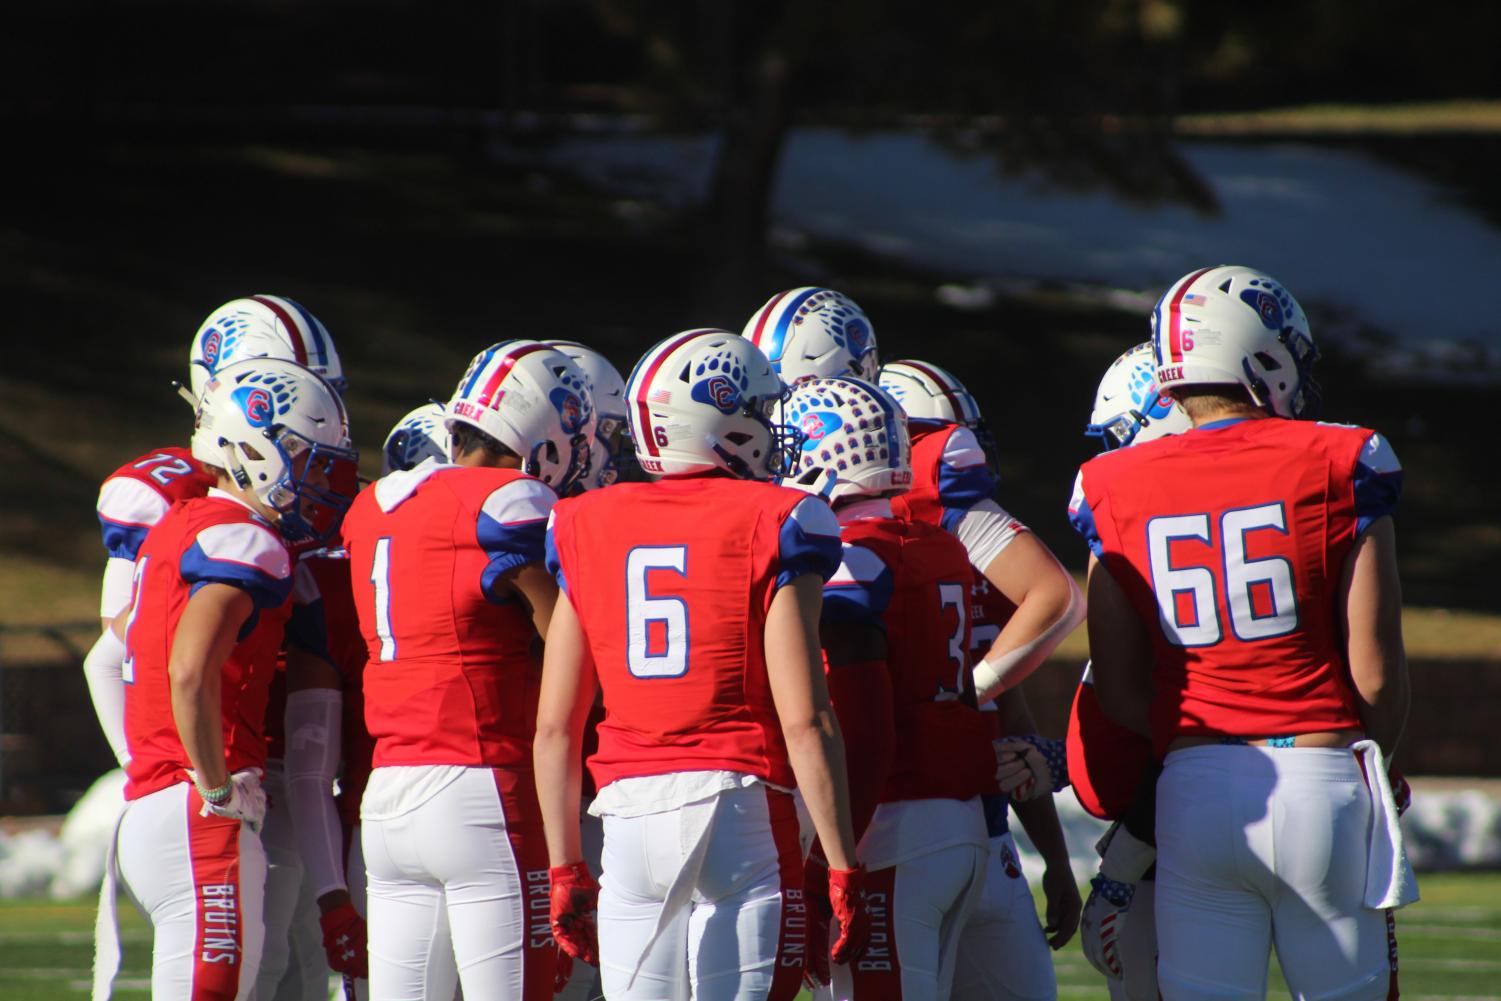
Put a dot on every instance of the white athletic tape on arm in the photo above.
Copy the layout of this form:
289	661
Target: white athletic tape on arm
103	670
314	742
114	593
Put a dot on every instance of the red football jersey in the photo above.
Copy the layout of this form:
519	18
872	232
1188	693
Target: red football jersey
672	581
949	474
212	540
137	495
1230	541
450	678
913	581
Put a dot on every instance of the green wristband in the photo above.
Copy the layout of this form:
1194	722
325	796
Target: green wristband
218	796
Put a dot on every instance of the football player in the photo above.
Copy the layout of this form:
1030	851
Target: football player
1026	603
814	332
1109	765
895	634
692	604
134	498
1245	614
452	595
201	633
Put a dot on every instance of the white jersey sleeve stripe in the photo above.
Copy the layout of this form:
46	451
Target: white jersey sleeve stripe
127	501
520	501
962	450
248	545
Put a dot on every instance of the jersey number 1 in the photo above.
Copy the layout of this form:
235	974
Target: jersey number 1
1260	593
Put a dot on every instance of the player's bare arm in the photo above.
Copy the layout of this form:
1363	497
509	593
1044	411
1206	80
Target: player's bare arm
205	635
536	588
1121	653
1371	594
1048	607
1039	818
815	746
568	690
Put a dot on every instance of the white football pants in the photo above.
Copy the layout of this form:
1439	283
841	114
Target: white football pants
728	898
1266	847
200	881
1003	954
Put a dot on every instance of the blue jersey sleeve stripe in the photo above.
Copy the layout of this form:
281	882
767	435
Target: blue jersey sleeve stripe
962	488
122	541
1376	495
509	545
265	590
554	563
808	543
1082	518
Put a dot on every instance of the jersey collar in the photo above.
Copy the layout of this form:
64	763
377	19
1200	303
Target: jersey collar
1226	422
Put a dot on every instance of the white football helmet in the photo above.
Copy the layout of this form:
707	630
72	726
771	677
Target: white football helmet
808	332
610	449
1237	325
281	432
1128	408
855	430
926	392
533	400
263	326
422	434
702	400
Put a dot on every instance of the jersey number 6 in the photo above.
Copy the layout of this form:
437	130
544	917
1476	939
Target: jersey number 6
1260	593
656	627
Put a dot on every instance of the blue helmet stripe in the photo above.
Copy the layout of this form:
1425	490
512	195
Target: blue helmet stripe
479	370
314	329
779	335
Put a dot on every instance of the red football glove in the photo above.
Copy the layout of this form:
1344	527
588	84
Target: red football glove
1401	791
816	972
562	972
575	895
847	898
344	941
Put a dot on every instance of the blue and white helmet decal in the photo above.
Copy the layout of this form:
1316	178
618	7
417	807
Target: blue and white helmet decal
1129	408
854	430
420	435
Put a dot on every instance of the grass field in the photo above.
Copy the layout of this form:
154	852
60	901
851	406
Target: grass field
1450	948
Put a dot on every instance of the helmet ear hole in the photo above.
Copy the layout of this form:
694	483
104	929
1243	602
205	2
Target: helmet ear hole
738	438
1267	361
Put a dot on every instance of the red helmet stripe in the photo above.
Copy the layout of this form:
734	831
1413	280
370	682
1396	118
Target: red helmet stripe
487	395
1174	316
766	312
299	349
942	383
644	387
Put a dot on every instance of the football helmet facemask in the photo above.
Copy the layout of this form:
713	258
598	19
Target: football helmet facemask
263	326
1236	325
533	400
814	332
1128	408
704	399
280	431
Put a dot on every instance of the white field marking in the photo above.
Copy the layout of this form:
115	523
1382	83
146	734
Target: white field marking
1454	997
1448	931
121	984
64	937
1452	965
1437	912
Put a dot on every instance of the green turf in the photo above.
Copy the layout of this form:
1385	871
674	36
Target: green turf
1450	948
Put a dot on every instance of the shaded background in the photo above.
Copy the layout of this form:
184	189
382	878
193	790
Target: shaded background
412	172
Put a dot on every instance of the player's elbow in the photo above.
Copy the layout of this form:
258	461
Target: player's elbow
1058	601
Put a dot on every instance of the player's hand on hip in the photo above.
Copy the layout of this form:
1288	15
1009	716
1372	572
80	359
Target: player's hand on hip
574	898
1401	789
1100	926
1063	904
1022	771
847	899
246	800
344	941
